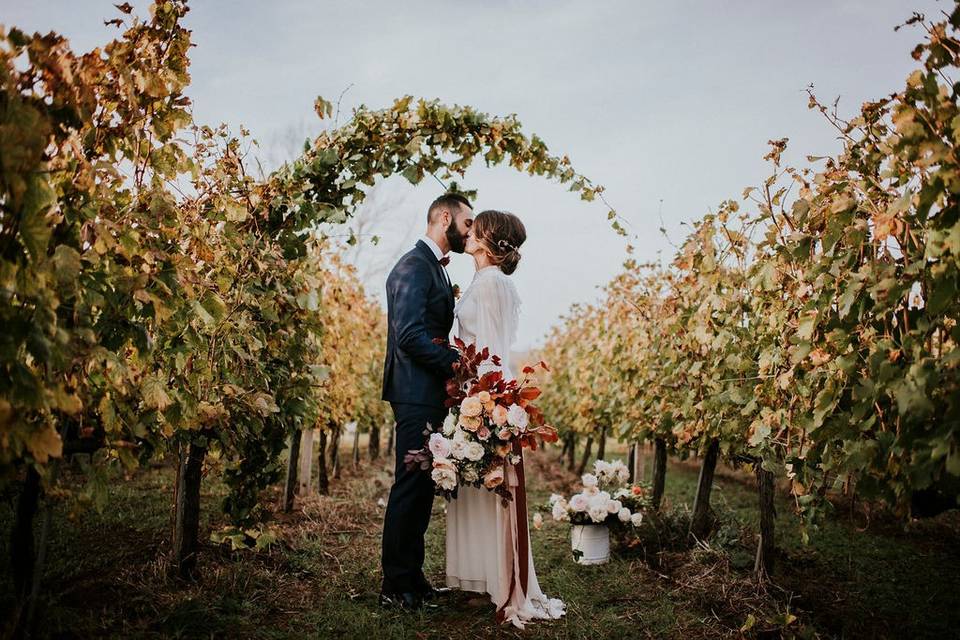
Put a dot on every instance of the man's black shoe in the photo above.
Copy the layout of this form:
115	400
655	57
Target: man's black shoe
407	601
430	594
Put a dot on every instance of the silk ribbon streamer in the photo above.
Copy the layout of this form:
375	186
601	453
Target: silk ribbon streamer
522	560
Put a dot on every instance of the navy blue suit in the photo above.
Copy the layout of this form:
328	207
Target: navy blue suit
419	309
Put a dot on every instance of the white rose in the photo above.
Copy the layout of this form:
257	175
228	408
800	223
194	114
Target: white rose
470	475
598	514
614	506
555	498
620	493
620	471
601	467
624	515
446	479
537	520
598	503
579	503
636	519
444	474
589	480
458	449
474	451
449	425
591	491
604	495
439	446
560	512
517	417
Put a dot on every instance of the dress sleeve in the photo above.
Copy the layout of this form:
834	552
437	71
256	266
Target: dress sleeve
498	317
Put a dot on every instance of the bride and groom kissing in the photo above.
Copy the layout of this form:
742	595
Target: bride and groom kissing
487	550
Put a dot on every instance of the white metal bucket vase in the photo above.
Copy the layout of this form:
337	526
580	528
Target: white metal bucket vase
592	541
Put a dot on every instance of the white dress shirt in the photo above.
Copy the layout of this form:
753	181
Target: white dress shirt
433	247
437	252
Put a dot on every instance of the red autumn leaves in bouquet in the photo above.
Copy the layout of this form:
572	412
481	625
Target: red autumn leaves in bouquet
466	381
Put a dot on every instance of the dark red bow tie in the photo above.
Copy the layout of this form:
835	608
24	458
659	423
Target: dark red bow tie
444	261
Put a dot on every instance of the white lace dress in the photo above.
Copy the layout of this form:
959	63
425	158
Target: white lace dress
482	534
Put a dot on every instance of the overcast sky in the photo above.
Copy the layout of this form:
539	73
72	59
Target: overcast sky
667	104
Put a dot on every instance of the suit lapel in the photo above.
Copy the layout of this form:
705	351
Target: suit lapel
444	281
451	302
425	250
448	287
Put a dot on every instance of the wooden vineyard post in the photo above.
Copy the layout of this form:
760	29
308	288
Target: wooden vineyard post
335	451
586	456
374	445
356	447
700	521
567	443
766	548
21	541
635	462
38	565
602	445
186	532
572	452
26	558
323	482
659	471
293	463
638	460
306	461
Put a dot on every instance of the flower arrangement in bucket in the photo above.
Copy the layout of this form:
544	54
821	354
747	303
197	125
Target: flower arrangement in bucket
606	502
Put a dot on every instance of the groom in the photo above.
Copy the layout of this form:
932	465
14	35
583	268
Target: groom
419	310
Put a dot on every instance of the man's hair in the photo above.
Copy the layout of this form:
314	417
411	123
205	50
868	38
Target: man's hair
448	200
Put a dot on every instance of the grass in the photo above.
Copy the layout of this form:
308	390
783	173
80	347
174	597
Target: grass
852	580
107	573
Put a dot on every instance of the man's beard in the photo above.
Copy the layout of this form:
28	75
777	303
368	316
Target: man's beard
456	240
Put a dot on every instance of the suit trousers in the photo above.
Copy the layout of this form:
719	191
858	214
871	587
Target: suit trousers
410	502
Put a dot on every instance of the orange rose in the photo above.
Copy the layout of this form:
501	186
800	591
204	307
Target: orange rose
486	400
471	407
493	478
499	415
470	423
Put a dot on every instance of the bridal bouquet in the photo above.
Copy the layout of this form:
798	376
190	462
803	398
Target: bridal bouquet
596	505
488	417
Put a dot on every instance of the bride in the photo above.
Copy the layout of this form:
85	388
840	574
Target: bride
488	544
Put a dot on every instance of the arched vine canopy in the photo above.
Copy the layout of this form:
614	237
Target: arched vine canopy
413	138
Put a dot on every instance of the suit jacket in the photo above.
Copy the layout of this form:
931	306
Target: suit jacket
419	309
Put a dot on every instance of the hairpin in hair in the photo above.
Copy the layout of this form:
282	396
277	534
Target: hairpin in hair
503	244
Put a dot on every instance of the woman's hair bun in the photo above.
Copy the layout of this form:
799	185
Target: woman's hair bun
501	233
